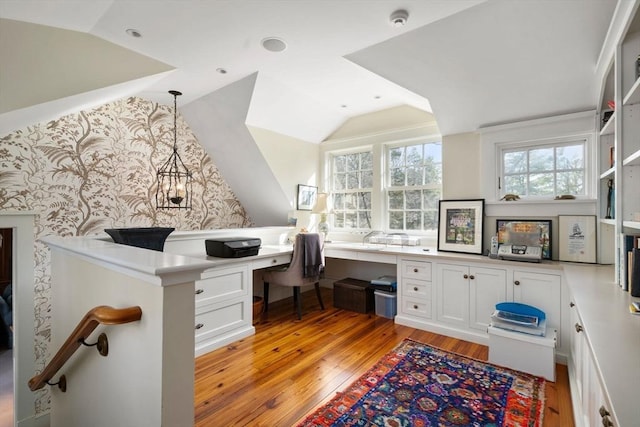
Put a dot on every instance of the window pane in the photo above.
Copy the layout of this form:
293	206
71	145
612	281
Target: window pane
364	201
364	219
430	199
515	184
541	159
433	151
353	162
413	220
338	220
350	201
414	155
352	180
396	220
414	176
339	163
515	162
339	181
351	220
396	199
570	157
366	160
338	201
570	183
396	157
541	184
432	172
413	199
397	177
430	220
367	179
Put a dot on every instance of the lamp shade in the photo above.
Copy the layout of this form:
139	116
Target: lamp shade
322	204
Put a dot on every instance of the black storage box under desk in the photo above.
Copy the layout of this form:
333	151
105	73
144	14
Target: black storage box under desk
353	294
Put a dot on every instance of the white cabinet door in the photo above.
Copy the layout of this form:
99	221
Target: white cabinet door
542	291
487	287
452	294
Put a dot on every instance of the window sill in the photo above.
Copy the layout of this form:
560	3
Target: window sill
542	207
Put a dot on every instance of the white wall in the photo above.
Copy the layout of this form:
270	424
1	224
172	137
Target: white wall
461	170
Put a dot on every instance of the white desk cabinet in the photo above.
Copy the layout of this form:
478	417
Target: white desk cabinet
467	294
416	288
223	311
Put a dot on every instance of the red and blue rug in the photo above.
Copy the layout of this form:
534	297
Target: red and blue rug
418	385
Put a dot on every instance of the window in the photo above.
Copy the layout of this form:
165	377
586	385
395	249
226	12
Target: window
351	185
414	186
544	170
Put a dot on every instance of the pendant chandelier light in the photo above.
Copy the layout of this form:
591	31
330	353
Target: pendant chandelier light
174	179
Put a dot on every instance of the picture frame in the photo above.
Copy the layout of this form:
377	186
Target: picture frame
529	232
460	226
307	195
577	238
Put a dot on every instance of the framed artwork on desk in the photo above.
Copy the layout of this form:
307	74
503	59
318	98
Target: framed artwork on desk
529	232
577	238
460	226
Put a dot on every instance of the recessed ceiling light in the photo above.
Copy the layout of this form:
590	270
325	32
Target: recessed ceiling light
221	70
343	106
377	97
274	44
134	33
399	18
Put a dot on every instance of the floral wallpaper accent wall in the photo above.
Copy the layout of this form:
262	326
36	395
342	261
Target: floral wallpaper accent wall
96	169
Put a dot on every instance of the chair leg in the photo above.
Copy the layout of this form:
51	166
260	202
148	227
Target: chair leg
297	299
317	286
265	292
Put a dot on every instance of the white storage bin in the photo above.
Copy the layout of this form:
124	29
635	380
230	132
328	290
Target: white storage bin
527	353
386	305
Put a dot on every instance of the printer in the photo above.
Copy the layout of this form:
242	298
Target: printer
232	247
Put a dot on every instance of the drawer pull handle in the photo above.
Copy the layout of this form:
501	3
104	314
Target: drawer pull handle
572	304
415	288
199	326
415	270
466	276
415	307
603	411
579	328
199	291
472	277
517	283
274	261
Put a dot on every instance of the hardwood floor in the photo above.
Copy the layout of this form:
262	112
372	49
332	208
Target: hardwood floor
289	367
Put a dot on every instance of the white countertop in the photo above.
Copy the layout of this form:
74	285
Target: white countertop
612	333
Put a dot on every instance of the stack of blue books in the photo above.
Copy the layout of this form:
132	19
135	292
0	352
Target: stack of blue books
385	283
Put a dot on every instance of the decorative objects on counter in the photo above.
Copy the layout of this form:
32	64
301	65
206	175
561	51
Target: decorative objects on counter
233	247
510	197
577	238
528	232
174	189
322	207
142	237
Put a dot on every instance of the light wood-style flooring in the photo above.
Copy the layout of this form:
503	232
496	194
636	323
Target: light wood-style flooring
290	367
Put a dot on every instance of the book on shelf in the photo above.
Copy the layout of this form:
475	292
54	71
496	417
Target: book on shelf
634	266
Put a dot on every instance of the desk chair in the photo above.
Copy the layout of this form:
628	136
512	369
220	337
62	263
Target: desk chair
307	261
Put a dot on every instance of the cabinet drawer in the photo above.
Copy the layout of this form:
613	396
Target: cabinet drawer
212	321
416	307
416	269
221	285
271	261
418	289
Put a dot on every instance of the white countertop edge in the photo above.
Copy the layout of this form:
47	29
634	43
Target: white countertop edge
160	268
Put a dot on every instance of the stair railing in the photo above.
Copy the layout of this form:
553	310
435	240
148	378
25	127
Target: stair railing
101	315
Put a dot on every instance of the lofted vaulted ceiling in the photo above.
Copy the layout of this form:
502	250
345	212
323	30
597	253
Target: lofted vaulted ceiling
471	62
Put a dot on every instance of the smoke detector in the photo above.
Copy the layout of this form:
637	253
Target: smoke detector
399	18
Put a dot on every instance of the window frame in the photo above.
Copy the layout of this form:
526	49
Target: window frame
588	174
386	186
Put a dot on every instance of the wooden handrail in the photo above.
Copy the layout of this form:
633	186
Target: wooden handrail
104	315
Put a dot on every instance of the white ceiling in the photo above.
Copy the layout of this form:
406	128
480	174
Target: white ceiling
474	62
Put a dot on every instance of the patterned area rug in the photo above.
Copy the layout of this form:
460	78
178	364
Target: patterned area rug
418	385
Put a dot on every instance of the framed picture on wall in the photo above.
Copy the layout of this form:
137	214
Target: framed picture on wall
577	238
460	226
529	232
306	197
